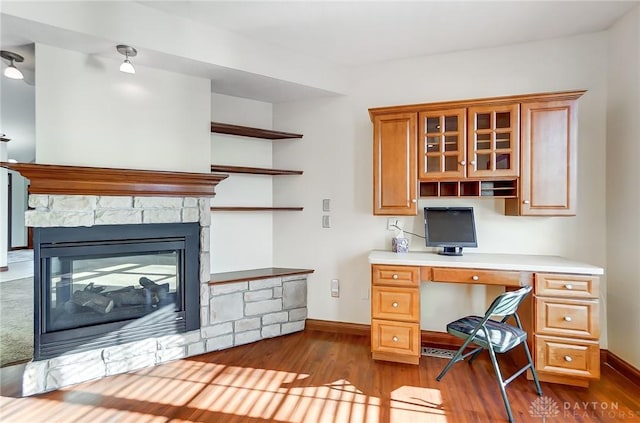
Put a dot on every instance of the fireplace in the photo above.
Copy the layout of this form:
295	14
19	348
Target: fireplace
108	285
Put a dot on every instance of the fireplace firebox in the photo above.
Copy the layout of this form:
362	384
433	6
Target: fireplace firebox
101	286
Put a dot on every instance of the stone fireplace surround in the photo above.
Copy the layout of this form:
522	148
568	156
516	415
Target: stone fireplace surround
231	314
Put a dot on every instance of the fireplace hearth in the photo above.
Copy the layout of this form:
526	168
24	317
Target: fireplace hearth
101	286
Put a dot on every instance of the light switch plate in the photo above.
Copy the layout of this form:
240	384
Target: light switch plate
335	288
326	221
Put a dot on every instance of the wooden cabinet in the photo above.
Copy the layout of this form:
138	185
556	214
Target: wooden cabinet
548	182
442	151
394	164
494	142
567	329
520	148
395	313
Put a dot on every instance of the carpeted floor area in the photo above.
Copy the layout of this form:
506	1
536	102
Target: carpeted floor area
16	321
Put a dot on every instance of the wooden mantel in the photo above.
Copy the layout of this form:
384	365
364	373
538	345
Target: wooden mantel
79	180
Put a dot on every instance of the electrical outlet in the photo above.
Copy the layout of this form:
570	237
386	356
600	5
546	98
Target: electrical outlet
392	222
326	205
365	293
335	287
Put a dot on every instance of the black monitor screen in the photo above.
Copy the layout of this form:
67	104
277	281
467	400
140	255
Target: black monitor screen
451	228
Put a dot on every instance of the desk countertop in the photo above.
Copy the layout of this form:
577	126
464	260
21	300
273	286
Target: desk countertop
518	262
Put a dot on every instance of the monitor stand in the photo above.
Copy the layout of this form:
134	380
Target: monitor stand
451	251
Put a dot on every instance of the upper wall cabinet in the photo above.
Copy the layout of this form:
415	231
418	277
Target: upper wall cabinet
394	167
494	142
548	181
520	148
442	147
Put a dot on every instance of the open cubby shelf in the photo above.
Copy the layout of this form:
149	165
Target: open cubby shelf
470	188
247	131
253	170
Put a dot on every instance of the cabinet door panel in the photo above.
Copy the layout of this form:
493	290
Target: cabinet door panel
549	159
394	161
442	144
493	141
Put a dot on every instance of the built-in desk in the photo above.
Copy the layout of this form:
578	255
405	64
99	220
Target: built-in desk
562	317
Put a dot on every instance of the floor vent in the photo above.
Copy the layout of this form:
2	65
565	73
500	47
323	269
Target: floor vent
438	352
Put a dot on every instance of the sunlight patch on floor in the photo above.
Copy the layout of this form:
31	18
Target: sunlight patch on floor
415	403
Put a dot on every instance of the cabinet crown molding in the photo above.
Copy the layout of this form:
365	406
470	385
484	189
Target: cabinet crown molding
491	101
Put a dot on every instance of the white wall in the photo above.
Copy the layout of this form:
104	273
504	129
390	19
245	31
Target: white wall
18	122
623	195
18	118
241	240
91	114
336	155
19	203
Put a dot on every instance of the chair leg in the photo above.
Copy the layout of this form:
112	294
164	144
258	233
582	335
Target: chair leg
533	369
454	359
496	369
475	355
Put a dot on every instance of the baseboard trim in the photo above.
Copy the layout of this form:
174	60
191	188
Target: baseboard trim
435	339
338	327
621	366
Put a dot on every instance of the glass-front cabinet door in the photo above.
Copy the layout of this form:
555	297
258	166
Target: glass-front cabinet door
442	147
494	141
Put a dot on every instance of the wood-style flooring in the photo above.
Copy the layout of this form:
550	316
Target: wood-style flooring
315	377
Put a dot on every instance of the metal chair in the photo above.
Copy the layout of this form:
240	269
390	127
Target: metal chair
495	336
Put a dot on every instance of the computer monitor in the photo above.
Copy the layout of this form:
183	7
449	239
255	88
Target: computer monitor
451	228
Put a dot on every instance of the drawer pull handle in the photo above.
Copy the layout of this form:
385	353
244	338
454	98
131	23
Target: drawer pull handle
567	318
394	304
568	358
395	276
395	339
568	286
475	277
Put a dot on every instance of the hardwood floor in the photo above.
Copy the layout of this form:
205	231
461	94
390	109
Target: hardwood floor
317	376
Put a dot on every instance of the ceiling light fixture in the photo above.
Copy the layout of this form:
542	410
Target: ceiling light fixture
11	71
127	51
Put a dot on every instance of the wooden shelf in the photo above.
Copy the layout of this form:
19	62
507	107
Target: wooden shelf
253	170
82	180
256	274
247	131
234	208
507	188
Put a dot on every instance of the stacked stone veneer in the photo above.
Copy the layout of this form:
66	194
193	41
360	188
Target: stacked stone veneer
231	314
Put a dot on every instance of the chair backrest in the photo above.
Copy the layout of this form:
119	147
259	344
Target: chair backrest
507	303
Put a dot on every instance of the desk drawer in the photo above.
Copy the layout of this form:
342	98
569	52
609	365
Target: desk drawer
395	337
568	357
564	317
396	303
568	286
485	277
395	275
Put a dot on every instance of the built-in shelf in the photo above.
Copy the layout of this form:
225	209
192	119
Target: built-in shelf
470	188
83	180
247	131
249	208
256	274
253	170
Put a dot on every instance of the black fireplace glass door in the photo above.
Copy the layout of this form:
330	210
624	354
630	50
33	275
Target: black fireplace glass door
95	287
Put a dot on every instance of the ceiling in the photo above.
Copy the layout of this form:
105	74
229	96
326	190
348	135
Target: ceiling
341	33
355	33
